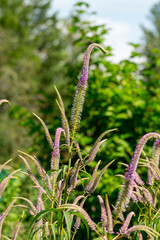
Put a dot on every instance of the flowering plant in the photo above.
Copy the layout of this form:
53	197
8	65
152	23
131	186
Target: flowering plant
56	215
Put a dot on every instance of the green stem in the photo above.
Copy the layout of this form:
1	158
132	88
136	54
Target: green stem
66	187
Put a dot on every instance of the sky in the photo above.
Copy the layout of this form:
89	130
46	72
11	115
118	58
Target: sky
124	17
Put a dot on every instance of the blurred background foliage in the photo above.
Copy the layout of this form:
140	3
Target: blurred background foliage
38	50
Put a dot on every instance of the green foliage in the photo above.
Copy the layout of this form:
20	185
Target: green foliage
123	96
30	44
55	207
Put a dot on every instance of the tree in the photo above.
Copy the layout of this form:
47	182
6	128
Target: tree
30	45
151	49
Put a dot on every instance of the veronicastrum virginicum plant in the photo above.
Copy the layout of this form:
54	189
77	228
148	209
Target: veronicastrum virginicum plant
55	216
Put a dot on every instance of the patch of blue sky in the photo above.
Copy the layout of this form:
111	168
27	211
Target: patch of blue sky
124	17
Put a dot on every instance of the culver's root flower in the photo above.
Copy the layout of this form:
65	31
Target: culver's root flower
81	211
155	159
126	222
4	215
56	153
81	88
64	120
109	215
126	191
90	184
104	219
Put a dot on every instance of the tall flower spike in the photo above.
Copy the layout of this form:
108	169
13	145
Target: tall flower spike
155	159
78	220
81	211
4	164
138	180
96	146
48	136
4	215
109	216
64	120
104	219
32	176
14	237
81	88
126	222
97	179
147	195
40	169
56	155
74	177
126	191
140	237
39	208
90	184
150	231
4	182
78	150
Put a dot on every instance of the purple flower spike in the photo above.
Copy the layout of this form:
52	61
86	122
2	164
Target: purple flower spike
140	237
155	159
56	153
109	216
126	192
84	75
104	219
81	87
126	222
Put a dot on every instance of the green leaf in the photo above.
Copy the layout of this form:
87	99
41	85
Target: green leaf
83	220
53	231
40	216
79	4
68	219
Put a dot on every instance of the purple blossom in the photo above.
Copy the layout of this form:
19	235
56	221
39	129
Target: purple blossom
81	87
103	211
84	75
56	153
126	222
126	192
155	159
